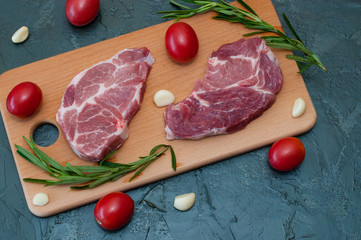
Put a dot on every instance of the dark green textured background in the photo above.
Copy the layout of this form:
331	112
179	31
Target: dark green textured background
240	197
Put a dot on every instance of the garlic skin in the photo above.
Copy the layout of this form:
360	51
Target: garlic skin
40	199
163	98
20	35
299	108
184	202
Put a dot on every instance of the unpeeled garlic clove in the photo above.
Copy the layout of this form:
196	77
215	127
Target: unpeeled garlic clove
163	98
184	202
299	108
20	35
40	199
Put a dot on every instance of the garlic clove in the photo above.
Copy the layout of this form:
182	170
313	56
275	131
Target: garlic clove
40	199
20	35
184	202
163	98
299	107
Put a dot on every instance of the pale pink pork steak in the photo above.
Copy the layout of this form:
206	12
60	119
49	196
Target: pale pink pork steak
241	82
100	101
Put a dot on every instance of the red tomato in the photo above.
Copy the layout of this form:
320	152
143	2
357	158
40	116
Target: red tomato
24	99
81	12
114	210
181	42
286	154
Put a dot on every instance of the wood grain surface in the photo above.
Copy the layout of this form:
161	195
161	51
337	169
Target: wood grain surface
147	127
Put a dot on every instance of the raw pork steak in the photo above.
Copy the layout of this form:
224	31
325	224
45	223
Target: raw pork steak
240	84
100	101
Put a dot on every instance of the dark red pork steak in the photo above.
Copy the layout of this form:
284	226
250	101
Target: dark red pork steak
241	82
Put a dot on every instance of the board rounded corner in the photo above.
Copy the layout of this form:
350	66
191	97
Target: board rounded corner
41	212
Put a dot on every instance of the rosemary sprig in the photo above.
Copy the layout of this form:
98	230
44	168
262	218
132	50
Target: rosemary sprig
84	177
251	20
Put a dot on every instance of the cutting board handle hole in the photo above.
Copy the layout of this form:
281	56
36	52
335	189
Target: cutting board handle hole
45	134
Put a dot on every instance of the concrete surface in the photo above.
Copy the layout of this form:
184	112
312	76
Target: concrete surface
240	197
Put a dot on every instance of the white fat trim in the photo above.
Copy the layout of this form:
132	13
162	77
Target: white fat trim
261	90
214	61
202	101
170	134
272	57
176	107
217	131
150	60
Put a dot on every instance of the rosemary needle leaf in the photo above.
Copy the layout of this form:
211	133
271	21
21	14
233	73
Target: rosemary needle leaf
113	164
69	181
127	165
102	180
118	176
174	160
179	5
257	27
74	169
34	180
305	67
226	12
22	155
80	187
56	171
298	58
291	27
42	156
30	157
141	170
156	148
253	33
85	177
123	172
282	45
58	182
245	5
108	156
49	160
75	178
274	39
90	169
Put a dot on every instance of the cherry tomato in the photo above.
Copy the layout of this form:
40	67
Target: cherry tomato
286	154
81	12
114	210
181	42
24	99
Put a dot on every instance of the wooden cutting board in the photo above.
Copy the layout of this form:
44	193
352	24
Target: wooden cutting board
147	128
